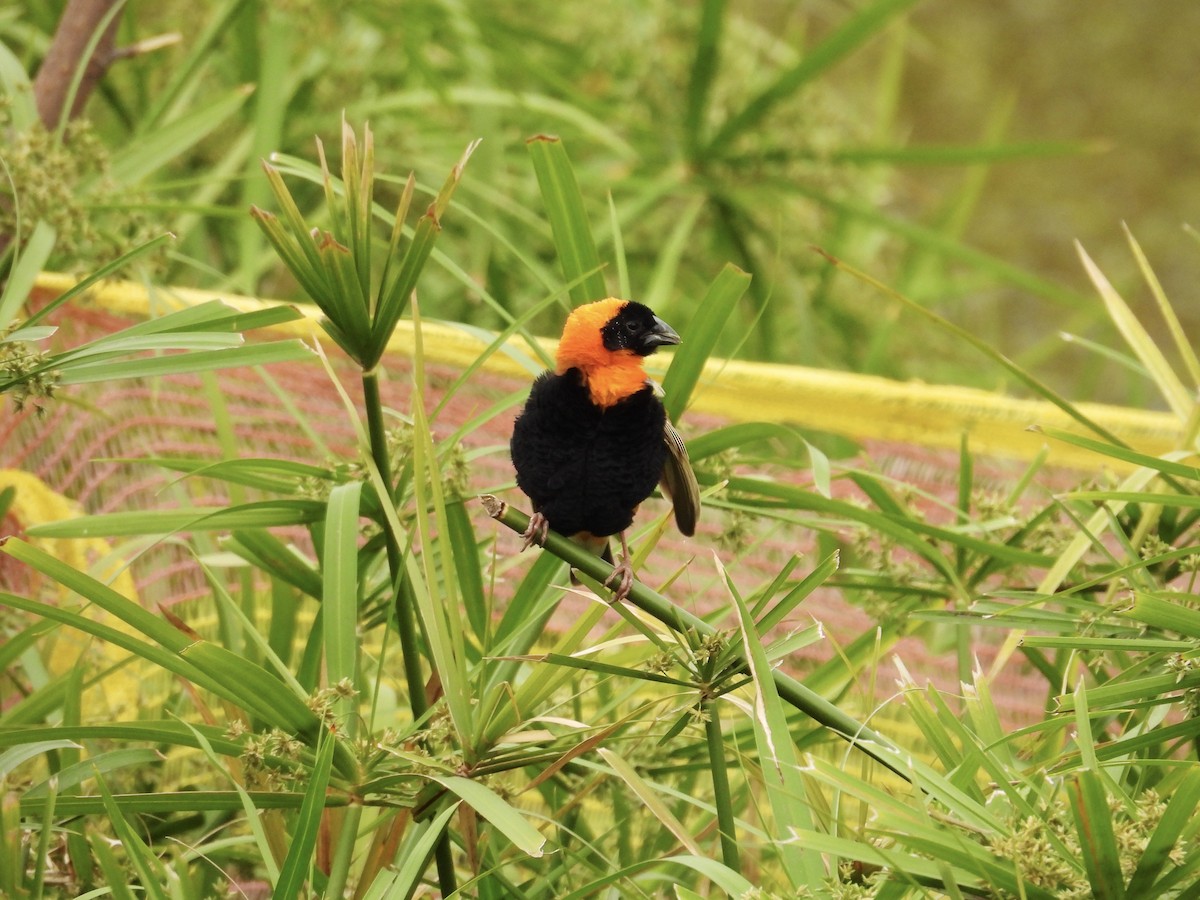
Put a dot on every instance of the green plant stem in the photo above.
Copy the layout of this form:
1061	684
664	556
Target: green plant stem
720	776
790	690
406	621
343	854
445	865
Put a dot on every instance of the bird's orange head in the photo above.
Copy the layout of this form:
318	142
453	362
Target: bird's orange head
607	341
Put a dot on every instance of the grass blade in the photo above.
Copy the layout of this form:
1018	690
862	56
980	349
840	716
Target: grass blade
508	821
1098	843
569	224
1139	340
780	765
340	594
700	338
151	152
151	872
866	23
301	857
31	259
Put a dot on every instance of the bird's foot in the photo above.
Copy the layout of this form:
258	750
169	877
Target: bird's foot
622	574
535	532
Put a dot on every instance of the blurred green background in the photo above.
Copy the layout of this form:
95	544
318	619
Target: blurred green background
954	151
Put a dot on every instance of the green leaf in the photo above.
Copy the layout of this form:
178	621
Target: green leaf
507	821
1176	820
1097	842
401	883
18	89
737	436
568	219
102	763
1182	343
263	514
300	858
169	732
184	363
780	764
150	152
101	594
10	759
31	259
340	590
864	24
283	561
151	872
1140	341
1165	611
705	66
180	802
104	272
37	333
278	476
733	883
594	665
700	338
393	297
799	593
253	688
1117	451
469	568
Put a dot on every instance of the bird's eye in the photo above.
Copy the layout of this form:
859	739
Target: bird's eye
633	326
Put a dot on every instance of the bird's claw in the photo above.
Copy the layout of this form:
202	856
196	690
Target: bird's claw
622	574
535	532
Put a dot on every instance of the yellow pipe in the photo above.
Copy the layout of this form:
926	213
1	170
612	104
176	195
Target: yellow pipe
860	407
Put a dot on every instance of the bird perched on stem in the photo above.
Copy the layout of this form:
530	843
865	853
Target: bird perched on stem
593	439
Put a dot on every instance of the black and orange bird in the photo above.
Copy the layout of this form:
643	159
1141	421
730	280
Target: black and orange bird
593	440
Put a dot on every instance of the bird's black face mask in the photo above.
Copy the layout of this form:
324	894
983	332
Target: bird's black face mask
636	328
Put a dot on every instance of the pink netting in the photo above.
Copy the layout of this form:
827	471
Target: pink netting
86	448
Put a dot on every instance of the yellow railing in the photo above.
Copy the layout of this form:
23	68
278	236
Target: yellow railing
857	406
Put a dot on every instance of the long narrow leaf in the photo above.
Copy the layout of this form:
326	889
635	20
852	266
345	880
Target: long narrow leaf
299	862
1098	843
568	218
864	24
1139	340
340	590
508	822
701	336
31	259
780	764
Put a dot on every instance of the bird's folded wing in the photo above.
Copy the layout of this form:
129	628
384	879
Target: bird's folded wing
679	482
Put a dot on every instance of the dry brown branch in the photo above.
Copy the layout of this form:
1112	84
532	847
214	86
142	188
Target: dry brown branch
51	87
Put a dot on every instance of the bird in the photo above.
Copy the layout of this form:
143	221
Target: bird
593	439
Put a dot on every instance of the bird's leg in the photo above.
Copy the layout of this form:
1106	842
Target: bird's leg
622	574
536	531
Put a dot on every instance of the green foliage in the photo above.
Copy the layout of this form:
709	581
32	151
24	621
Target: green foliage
388	687
725	132
569	761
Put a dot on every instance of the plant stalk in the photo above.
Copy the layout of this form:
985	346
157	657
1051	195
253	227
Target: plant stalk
406	620
343	853
790	690
722	797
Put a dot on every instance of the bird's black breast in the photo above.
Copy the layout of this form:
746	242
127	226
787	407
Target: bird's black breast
586	468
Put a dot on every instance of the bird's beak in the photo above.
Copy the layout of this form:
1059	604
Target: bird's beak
659	335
